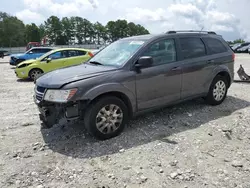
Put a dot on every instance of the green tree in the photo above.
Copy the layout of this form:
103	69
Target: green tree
238	41
79	29
141	30
12	31
112	32
53	29
120	29
68	29
88	31
32	33
42	30
99	32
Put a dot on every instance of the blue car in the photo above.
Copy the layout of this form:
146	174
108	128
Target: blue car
32	53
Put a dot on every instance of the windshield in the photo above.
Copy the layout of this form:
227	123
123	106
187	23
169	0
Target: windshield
117	53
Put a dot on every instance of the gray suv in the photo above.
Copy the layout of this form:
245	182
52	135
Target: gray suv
134	75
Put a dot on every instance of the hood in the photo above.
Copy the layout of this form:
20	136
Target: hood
58	78
27	62
17	55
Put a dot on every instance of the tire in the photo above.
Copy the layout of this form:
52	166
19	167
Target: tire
221	93
35	73
90	118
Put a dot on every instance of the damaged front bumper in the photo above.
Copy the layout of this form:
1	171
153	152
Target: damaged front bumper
52	113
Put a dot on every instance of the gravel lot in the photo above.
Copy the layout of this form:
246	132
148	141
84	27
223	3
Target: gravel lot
188	145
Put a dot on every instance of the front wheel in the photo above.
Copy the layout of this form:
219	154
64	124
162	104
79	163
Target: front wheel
35	73
106	117
218	91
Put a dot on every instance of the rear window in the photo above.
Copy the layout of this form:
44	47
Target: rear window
40	50
192	47
215	46
81	52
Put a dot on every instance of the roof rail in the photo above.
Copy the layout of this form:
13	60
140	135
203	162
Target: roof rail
191	31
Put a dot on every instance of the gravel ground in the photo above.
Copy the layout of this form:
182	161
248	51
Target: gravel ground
188	145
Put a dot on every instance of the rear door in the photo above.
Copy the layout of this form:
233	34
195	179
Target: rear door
196	66
75	57
219	54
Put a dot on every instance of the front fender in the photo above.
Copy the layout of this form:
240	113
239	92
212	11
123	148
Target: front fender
111	87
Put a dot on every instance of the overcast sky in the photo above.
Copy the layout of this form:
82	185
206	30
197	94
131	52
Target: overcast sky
229	18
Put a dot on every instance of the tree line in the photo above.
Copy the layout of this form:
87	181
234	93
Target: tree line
65	31
236	41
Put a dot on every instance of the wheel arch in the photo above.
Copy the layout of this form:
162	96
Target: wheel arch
119	95
227	76
34	68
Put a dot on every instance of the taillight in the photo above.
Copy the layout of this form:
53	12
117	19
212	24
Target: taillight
90	54
233	56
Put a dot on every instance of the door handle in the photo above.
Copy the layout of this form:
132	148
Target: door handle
210	61
176	69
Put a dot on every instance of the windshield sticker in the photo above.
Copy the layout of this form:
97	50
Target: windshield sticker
137	42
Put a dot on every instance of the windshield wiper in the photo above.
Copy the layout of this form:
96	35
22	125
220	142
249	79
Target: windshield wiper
95	62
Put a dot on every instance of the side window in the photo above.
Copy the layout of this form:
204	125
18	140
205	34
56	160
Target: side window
72	53
45	50
192	47
81	53
34	51
215	46
58	55
162	52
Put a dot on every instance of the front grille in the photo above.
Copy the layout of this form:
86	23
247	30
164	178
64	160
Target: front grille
40	89
39	93
13	58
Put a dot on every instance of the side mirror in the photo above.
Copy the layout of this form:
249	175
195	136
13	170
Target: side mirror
144	62
30	52
48	60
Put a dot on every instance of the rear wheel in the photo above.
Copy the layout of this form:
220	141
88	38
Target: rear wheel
218	90
106	117
35	73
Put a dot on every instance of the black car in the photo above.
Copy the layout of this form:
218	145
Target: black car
134	75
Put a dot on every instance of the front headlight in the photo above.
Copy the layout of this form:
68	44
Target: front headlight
22	66
55	95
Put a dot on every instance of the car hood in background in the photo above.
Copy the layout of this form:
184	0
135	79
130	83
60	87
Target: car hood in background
17	55
26	62
58	78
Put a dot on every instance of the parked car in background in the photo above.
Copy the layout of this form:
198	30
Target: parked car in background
3	53
235	46
243	49
33	53
52	60
240	46
134	75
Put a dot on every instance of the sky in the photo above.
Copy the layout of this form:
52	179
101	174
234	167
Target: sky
229	18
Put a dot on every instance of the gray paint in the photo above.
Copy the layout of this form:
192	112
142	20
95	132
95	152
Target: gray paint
150	87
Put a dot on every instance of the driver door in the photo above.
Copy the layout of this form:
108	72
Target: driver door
55	60
159	84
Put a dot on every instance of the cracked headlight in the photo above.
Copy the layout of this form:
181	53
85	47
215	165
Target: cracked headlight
55	95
